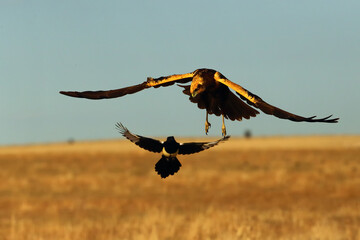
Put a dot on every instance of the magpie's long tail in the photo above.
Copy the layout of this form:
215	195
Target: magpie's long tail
167	166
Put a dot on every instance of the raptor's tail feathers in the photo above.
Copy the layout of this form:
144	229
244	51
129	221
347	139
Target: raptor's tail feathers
167	166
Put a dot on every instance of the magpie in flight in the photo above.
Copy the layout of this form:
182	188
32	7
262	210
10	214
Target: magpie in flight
210	90
168	163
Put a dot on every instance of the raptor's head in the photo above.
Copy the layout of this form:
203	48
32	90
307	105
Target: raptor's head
197	86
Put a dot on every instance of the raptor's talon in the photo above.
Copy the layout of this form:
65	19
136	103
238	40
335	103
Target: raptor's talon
223	129
207	127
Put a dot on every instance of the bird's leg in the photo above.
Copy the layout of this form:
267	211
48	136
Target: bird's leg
207	124
223	127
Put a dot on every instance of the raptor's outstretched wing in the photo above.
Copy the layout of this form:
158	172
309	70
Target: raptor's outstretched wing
107	93
151	82
149	144
257	102
193	147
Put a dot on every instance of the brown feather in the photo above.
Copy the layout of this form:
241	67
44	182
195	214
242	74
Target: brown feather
107	93
151	82
256	101
236	109
165	84
222	101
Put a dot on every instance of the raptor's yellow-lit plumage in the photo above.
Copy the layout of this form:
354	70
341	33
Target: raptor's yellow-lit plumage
210	90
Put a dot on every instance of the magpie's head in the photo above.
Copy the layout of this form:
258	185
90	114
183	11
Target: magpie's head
171	139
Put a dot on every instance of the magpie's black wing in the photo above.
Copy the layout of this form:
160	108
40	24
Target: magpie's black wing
149	144
192	147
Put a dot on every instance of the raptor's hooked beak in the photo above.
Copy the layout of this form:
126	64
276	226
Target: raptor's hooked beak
193	94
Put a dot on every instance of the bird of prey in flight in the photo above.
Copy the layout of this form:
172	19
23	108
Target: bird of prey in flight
210	90
168	163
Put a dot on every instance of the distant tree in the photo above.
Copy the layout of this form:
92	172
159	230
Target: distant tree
247	133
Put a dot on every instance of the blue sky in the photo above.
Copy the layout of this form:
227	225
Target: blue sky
302	56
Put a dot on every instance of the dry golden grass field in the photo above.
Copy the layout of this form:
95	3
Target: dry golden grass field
259	188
